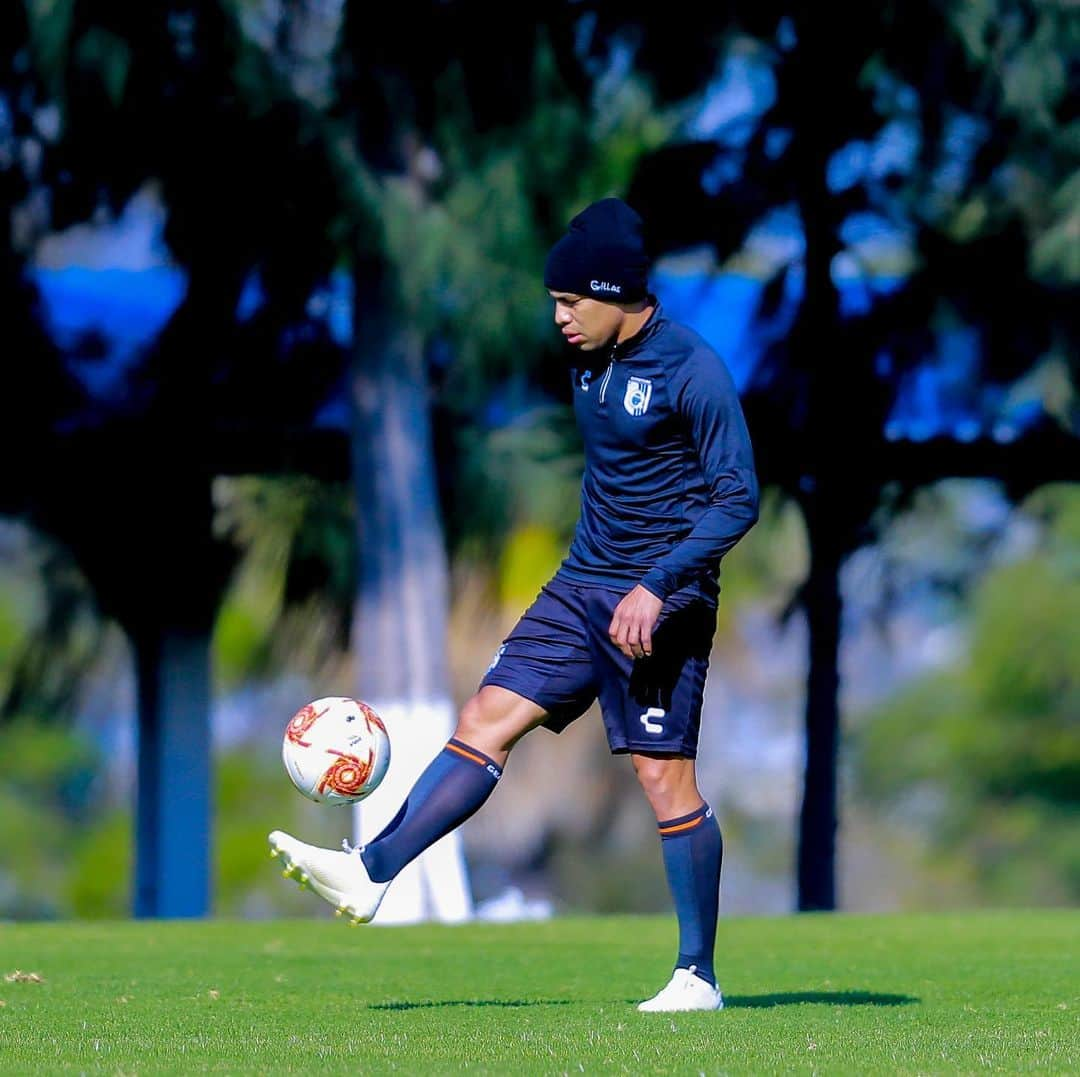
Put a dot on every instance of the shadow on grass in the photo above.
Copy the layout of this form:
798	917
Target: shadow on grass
827	998
787	998
504	1002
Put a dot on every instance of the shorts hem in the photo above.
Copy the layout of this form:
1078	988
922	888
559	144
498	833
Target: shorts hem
686	751
504	682
558	718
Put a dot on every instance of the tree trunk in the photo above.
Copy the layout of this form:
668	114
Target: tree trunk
140	526
164	589
172	834
818	819
832	374
399	627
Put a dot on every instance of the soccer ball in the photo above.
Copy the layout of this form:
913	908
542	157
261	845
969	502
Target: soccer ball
336	750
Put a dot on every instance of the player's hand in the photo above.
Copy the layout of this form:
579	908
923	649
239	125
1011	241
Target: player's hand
632	624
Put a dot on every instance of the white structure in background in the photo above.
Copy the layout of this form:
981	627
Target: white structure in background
400	616
435	885
512	906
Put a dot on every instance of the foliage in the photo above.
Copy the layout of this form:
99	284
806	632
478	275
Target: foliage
69	839
984	759
48	787
521	472
769	564
49	27
297	571
100	871
50	628
459	210
468	244
252	795
1024	58
529	559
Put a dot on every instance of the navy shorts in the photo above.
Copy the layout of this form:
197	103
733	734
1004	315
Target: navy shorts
559	655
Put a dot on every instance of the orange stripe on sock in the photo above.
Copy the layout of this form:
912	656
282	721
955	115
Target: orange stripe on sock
468	755
683	826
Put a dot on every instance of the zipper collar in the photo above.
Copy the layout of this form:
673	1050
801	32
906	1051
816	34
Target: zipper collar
632	344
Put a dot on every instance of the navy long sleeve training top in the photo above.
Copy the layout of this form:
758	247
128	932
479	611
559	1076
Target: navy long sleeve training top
669	484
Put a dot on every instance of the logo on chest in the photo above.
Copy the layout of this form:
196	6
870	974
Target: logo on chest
637	396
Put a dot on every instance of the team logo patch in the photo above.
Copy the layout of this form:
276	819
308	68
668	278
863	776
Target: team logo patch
647	720
637	397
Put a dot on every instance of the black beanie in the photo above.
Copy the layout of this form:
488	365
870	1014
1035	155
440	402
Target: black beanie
602	255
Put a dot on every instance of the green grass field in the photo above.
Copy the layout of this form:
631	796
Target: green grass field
828	994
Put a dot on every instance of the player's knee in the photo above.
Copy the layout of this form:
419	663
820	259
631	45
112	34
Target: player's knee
494	720
655	776
482	716
664	783
473	718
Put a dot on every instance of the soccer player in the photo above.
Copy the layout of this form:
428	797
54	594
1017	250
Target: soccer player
669	487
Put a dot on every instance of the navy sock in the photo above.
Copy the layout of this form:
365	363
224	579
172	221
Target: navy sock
693	850
457	781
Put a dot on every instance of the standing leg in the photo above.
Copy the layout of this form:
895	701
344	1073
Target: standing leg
692	849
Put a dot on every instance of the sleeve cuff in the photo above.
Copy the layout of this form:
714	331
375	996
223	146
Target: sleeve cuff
657	582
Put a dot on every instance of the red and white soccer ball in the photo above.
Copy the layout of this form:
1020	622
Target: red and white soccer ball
336	750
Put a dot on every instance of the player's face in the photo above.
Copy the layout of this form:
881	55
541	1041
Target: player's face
587	324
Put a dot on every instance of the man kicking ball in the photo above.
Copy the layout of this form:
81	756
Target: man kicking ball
669	487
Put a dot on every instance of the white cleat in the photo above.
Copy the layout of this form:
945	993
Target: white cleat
337	877
684	991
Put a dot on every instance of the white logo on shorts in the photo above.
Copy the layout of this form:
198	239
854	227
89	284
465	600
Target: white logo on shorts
653	727
498	654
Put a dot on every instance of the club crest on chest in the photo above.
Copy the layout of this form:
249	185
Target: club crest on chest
637	396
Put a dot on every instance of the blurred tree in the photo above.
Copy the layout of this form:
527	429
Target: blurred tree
984	761
390	167
47	786
50	631
876	137
922	165
948	126
289	598
105	97
454	174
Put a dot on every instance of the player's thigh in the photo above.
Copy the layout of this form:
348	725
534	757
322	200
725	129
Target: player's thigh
654	704
546	659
